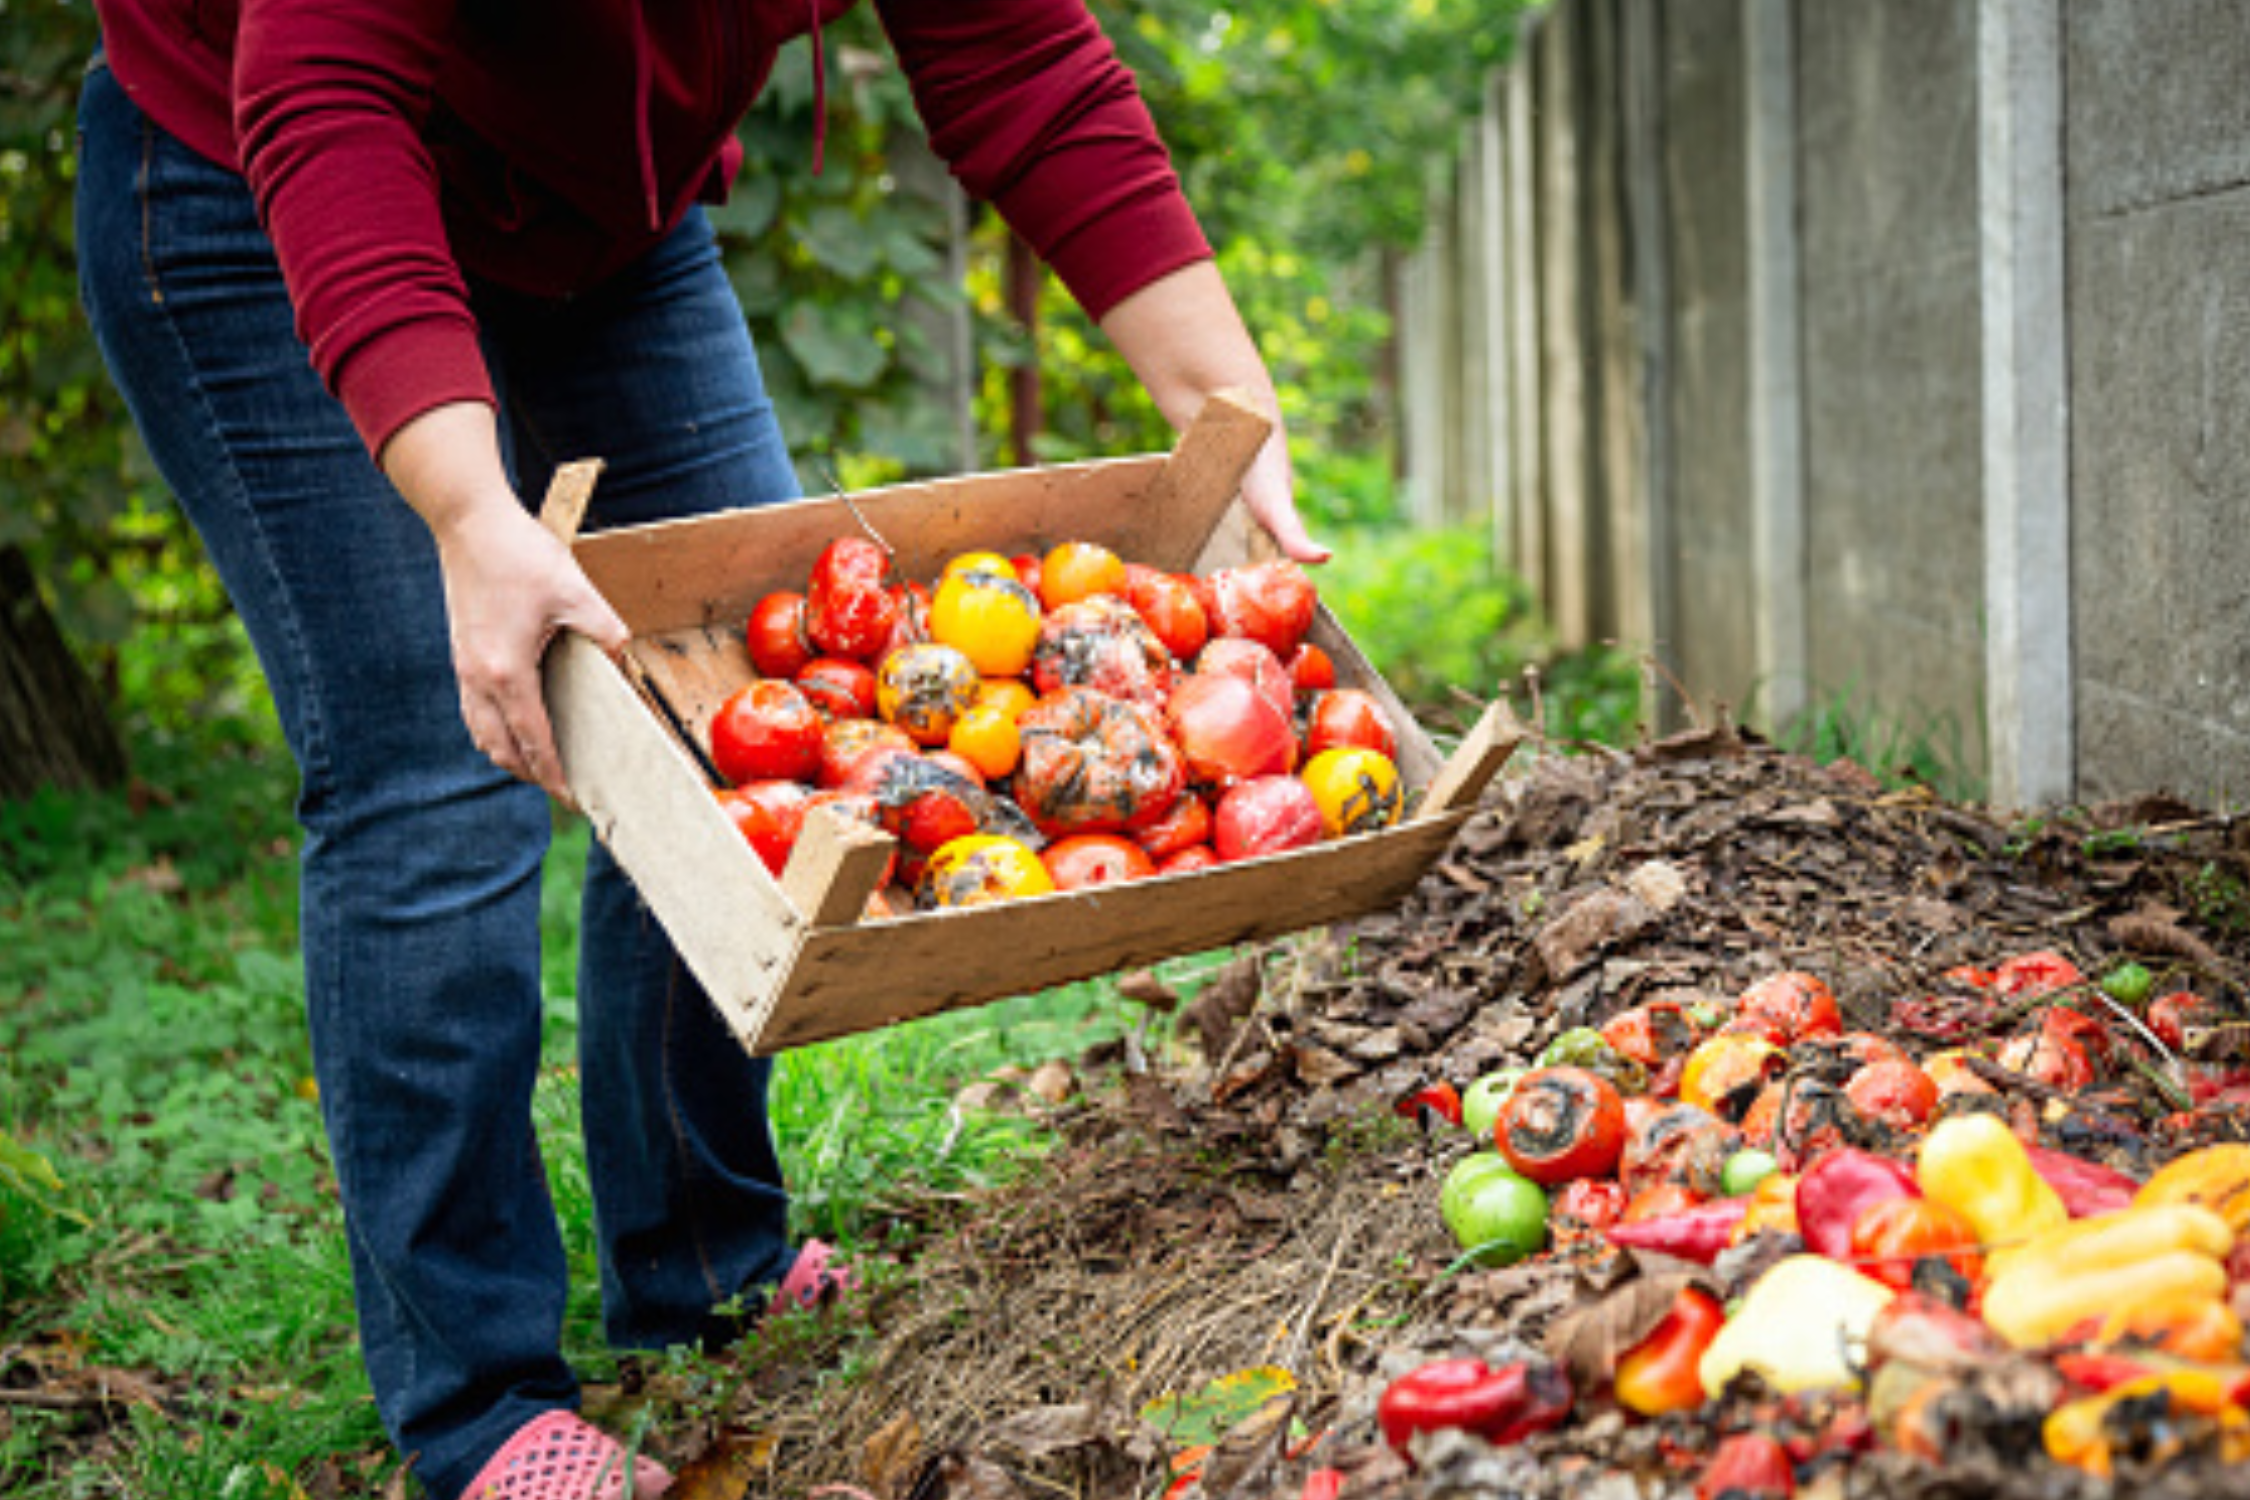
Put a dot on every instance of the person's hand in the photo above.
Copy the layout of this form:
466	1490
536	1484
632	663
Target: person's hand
1185	340
510	584
1270	491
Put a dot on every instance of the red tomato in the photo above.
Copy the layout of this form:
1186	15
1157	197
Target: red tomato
1889	1236
849	610
2040	973
2170	1016
1748	1466
1187	824
1095	764
1169	606
911	601
1030	570
770	815
1562	1123
2077	1026
1185	861
1269	602
1265	815
1343	717
2048	1058
838	687
1311	670
1099	642
1086	859
1595	1202
776	635
1796	1004
766	731
1894	1091
1228	731
1255	665
844	741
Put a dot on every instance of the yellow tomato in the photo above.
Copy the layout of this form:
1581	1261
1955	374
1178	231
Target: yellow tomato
986	737
983	867
1080	570
989	618
924	689
979	562
1357	790
1010	695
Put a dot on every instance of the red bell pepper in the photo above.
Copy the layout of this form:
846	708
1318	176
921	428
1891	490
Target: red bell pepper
1697	1234
2085	1187
1838	1187
1504	1405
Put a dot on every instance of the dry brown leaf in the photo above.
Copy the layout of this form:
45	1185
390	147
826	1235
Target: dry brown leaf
1589	1340
2143	933
893	1456
722	1471
1142	987
1053	1081
1221	1006
970	1476
1244	1460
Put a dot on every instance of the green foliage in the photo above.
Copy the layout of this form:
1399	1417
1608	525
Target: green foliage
1925	748
1450	631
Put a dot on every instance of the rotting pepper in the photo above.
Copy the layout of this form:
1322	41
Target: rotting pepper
2085	1187
1441	1099
1892	1237
1501	1405
1695	1234
1835	1190
2174	1407
1748	1466
2090	1269
1974	1165
1661	1373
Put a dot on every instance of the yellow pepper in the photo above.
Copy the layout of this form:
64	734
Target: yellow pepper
2078	1433
1773	1208
1799	1326
2113	1266
1974	1165
2182	1323
2218	1177
2119	1237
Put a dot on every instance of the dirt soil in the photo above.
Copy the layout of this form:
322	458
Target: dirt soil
1252	1203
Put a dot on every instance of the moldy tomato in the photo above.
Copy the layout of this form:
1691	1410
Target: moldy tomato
1796	1004
1095	764
924	689
1357	791
981	868
1895	1092
1562	1123
766	731
1100	643
844	741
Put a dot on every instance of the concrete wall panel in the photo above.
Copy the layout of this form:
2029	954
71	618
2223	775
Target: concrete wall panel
1888	194
1708	642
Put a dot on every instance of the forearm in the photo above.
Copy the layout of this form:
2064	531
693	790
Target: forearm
1186	342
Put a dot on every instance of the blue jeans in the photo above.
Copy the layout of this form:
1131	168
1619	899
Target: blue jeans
421	862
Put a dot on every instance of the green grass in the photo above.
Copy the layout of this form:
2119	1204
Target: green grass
166	1203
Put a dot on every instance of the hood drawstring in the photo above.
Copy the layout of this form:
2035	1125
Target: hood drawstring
644	70
819	91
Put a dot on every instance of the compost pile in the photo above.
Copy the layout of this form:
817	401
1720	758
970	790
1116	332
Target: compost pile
1946	1109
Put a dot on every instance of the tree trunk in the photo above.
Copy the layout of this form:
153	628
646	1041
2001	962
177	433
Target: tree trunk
54	728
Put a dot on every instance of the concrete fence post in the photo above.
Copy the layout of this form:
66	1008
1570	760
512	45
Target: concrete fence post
2028	692
1777	460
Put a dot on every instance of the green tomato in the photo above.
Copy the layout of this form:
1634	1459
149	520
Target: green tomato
1466	1174
1745	1170
1481	1101
2128	984
1500	1216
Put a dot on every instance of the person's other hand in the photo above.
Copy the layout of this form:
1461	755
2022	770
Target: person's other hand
510	585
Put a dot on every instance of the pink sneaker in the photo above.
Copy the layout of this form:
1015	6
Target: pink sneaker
818	1278
559	1456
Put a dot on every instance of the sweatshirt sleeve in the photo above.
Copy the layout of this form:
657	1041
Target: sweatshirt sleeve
1029	105
329	100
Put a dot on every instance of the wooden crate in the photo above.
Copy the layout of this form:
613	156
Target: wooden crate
796	960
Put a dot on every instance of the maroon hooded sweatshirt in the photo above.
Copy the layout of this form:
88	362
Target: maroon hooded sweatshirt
543	144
